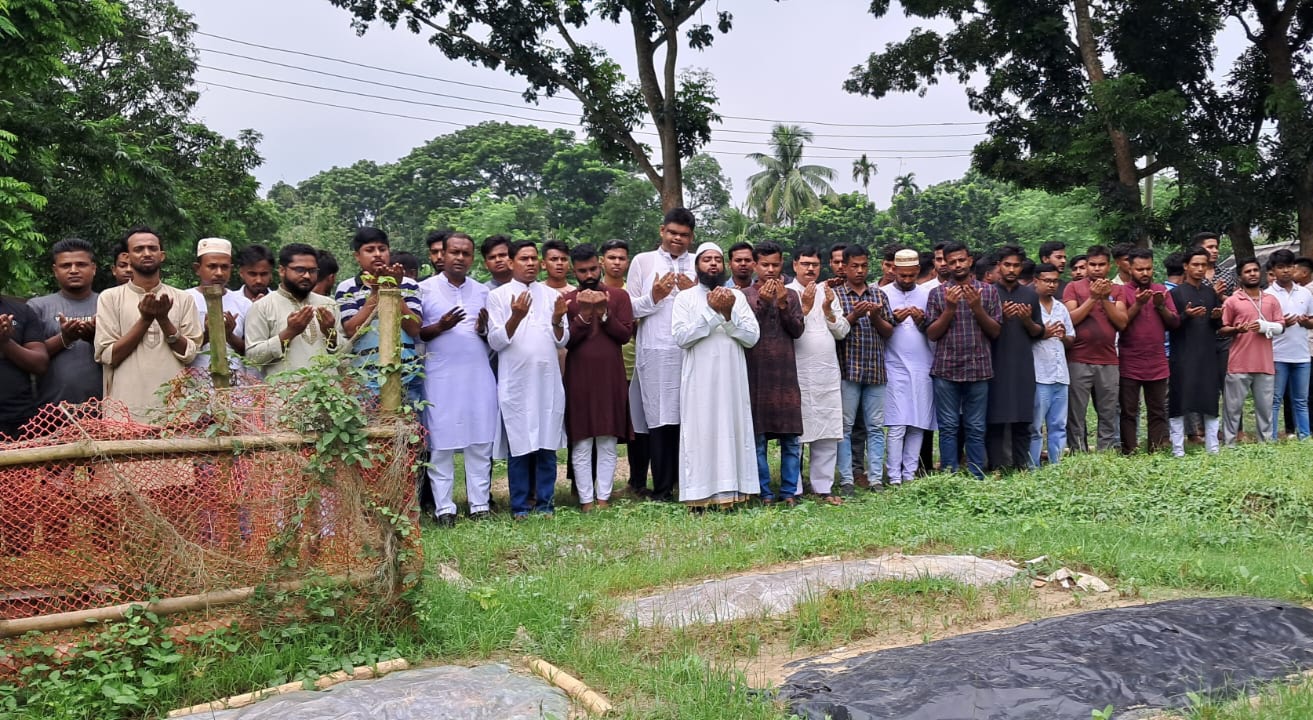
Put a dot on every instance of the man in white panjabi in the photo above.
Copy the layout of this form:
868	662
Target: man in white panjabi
146	331
214	266
909	403
819	378
717	447
526	326
462	418
655	280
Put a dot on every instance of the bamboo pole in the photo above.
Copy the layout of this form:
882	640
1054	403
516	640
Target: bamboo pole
220	373
166	606
94	449
364	672
390	309
579	692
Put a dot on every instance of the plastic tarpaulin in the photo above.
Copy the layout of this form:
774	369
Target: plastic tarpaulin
1148	656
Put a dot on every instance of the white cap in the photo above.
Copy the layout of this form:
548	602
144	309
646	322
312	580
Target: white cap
214	245
708	247
907	258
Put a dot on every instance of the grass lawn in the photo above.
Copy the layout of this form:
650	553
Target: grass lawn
1152	526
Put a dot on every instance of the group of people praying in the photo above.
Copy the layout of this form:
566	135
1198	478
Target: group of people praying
696	357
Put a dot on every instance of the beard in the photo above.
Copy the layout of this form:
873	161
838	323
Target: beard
710	281
592	284
298	292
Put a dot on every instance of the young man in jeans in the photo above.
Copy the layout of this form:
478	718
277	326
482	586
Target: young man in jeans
1290	348
862	364
963	316
1051	376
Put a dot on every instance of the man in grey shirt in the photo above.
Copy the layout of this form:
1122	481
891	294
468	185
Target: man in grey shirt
68	323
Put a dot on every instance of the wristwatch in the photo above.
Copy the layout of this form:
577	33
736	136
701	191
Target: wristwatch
171	339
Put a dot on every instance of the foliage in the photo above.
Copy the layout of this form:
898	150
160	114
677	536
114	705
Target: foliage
35	36
785	187
541	42
110	141
863	170
1034	217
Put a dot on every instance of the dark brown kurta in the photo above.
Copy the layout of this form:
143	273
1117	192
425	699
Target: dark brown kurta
772	370
596	392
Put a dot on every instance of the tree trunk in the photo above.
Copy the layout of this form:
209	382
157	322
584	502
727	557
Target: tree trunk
1242	243
1128	177
1290	109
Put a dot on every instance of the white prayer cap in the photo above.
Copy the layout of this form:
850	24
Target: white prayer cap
907	258
708	247
214	245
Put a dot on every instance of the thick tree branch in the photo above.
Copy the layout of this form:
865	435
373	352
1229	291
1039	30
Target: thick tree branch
1153	167
1249	33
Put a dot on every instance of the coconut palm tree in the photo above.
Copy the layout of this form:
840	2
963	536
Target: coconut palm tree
863	170
785	187
906	184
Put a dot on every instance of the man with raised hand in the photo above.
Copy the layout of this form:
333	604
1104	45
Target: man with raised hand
1253	318
909	404
1150	313
615	266
597	395
1290	348
1194	383
526	326
358	299
819	379
862	361
656	279
712	325
1012	389
1051	374
286	329
773	372
1092	361
68	323
464	417
214	268
146	331
962	317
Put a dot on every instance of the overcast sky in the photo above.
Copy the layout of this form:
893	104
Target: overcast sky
783	61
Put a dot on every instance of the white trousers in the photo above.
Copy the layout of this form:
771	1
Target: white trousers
581	455
1177	427
904	448
821	457
478	478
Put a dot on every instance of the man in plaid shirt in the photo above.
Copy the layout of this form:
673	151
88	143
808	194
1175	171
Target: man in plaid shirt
861	363
962	317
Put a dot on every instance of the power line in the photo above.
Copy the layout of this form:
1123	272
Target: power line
569	97
463	125
522	118
525	108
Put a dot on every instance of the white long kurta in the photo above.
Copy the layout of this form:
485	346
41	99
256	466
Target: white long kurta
910	398
530	392
717	448
819	378
458	380
657	356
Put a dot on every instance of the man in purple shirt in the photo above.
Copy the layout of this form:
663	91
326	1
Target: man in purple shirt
1150	312
962	317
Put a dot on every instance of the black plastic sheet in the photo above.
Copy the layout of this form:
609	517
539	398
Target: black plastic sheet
1133	658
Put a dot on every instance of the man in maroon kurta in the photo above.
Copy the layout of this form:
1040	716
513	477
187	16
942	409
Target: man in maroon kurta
773	372
596	392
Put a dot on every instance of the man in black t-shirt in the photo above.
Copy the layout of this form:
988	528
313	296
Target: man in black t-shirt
22	354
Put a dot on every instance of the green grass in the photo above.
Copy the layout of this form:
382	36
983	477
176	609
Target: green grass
1238	523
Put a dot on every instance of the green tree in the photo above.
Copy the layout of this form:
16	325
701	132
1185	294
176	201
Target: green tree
543	43
785	187
35	36
706	189
863	171
906	185
1034	217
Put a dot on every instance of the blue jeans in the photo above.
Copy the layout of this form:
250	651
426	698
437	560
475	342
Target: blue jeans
1051	410
962	405
871	398
790	466
1295	377
540	466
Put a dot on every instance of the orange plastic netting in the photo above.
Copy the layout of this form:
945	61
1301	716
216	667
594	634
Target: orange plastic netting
240	505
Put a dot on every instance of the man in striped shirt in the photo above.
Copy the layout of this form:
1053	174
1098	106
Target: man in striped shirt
358	299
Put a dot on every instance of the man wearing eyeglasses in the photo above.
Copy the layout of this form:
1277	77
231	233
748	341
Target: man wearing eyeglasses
286	329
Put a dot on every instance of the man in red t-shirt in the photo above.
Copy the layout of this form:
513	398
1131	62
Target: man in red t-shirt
1092	358
1253	318
1150	313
